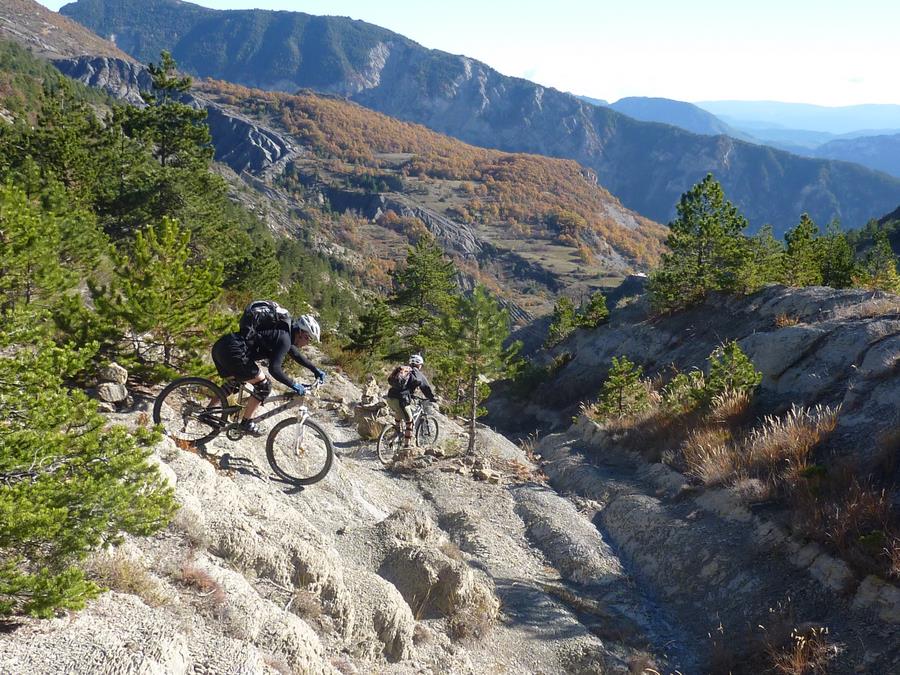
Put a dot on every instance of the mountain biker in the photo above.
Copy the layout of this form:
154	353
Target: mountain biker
399	398
235	358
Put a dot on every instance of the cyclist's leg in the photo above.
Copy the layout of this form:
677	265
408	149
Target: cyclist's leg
262	387
403	423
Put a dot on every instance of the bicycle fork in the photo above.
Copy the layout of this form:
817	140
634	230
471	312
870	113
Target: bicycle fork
302	416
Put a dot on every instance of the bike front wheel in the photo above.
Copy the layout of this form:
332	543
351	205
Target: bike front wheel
299	452
389	443
427	431
184	412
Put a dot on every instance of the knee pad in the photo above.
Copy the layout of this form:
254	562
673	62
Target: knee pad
261	390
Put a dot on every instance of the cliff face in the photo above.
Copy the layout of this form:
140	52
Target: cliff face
121	79
646	165
239	142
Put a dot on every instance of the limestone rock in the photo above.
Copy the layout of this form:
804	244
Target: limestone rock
112	392
113	373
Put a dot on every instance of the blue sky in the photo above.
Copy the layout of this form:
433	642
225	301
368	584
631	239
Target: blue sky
827	52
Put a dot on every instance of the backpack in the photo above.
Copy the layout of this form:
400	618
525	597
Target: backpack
262	315
399	377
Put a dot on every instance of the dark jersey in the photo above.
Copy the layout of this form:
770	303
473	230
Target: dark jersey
417	380
274	345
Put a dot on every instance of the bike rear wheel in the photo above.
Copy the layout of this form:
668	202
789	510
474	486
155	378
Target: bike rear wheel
389	443
299	452
183	410
427	431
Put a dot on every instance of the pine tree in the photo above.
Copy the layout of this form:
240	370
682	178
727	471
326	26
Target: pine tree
475	353
161	304
838	260
879	268
624	393
595	312
803	254
707	250
178	131
730	370
375	330
424	291
562	323
69	483
30	250
766	260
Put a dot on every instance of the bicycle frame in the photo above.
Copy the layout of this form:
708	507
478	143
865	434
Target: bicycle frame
417	413
231	415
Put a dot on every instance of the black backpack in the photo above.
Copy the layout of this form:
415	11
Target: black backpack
262	315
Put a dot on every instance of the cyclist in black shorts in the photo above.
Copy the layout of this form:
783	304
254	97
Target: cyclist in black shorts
235	358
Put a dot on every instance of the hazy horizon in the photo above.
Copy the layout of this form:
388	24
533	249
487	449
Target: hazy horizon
814	52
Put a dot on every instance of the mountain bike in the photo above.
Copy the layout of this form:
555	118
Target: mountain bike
425	430
298	449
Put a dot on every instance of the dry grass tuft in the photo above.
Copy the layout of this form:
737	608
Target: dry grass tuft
784	320
452	551
306	605
200	580
191	528
730	407
879	305
711	463
118	572
780	448
892	553
807	652
474	620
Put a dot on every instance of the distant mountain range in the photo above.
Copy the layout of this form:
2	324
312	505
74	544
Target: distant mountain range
680	114
647	166
875	149
748	115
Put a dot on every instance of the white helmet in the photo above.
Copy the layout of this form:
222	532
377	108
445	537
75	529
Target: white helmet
308	324
416	360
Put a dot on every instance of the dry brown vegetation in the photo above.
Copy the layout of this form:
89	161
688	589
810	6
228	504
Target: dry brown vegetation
806	652
474	620
200	580
774	459
537	195
118	572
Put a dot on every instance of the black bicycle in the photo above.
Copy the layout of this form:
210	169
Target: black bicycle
194	410
425	428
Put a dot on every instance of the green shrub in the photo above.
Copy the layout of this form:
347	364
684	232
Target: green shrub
684	392
730	371
69	483
624	393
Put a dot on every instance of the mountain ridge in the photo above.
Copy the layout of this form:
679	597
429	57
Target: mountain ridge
647	166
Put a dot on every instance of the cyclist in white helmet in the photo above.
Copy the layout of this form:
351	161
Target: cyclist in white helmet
235	357
404	381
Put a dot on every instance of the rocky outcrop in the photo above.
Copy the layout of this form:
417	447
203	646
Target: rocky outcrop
710	563
245	145
121	79
50	34
813	345
240	143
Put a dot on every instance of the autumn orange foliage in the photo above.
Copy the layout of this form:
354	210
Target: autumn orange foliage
533	195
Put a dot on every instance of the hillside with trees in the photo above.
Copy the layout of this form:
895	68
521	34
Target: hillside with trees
646	166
